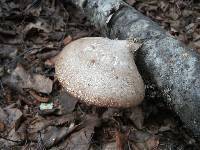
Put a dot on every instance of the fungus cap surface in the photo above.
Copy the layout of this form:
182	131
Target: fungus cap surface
101	72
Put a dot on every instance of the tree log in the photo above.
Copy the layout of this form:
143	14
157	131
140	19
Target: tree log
172	66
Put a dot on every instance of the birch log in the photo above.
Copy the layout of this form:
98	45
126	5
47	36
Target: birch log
174	67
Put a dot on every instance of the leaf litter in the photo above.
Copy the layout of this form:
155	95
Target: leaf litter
35	112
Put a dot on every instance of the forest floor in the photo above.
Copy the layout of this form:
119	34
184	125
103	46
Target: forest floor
36	112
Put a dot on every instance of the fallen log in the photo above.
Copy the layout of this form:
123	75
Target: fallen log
172	66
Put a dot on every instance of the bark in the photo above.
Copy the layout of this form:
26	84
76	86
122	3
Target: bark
174	67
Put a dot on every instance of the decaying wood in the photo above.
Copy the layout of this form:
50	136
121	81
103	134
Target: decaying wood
162	59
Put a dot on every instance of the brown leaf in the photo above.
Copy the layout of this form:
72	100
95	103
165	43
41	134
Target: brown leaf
109	146
2	126
8	51
36	26
81	139
21	79
12	139
143	140
137	117
39	123
53	135
173	14
67	40
49	62
91	121
120	141
110	112
14	117
152	143
67	102
163	5
197	45
3	116
138	136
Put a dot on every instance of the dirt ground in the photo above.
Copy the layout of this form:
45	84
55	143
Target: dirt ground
36	112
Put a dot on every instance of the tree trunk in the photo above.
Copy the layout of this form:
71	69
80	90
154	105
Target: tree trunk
162	59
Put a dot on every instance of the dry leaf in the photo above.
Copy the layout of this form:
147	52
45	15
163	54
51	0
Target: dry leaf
53	135
130	2
81	139
67	40
3	116
110	146
120	140
14	117
143	140
67	102
152	143
2	126
21	79
137	117
14	139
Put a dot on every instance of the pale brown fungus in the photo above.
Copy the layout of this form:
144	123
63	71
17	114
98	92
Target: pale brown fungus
101	72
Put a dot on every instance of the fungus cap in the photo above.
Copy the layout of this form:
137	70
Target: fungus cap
101	72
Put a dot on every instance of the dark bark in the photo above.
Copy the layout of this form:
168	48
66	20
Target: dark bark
174	67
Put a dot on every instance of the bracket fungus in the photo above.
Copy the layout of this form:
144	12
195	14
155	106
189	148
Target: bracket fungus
100	71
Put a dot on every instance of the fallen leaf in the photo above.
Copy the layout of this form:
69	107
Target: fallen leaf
67	102
120	140
2	126
49	63
91	121
21	79
143	140
41	84
197	45
33	8
39	25
152	143
38	123
109	146
67	40
138	136
173	14
3	116
137	117
80	140
110	113
14	117
11	139
165	128
8	51
131	2
53	135
163	5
